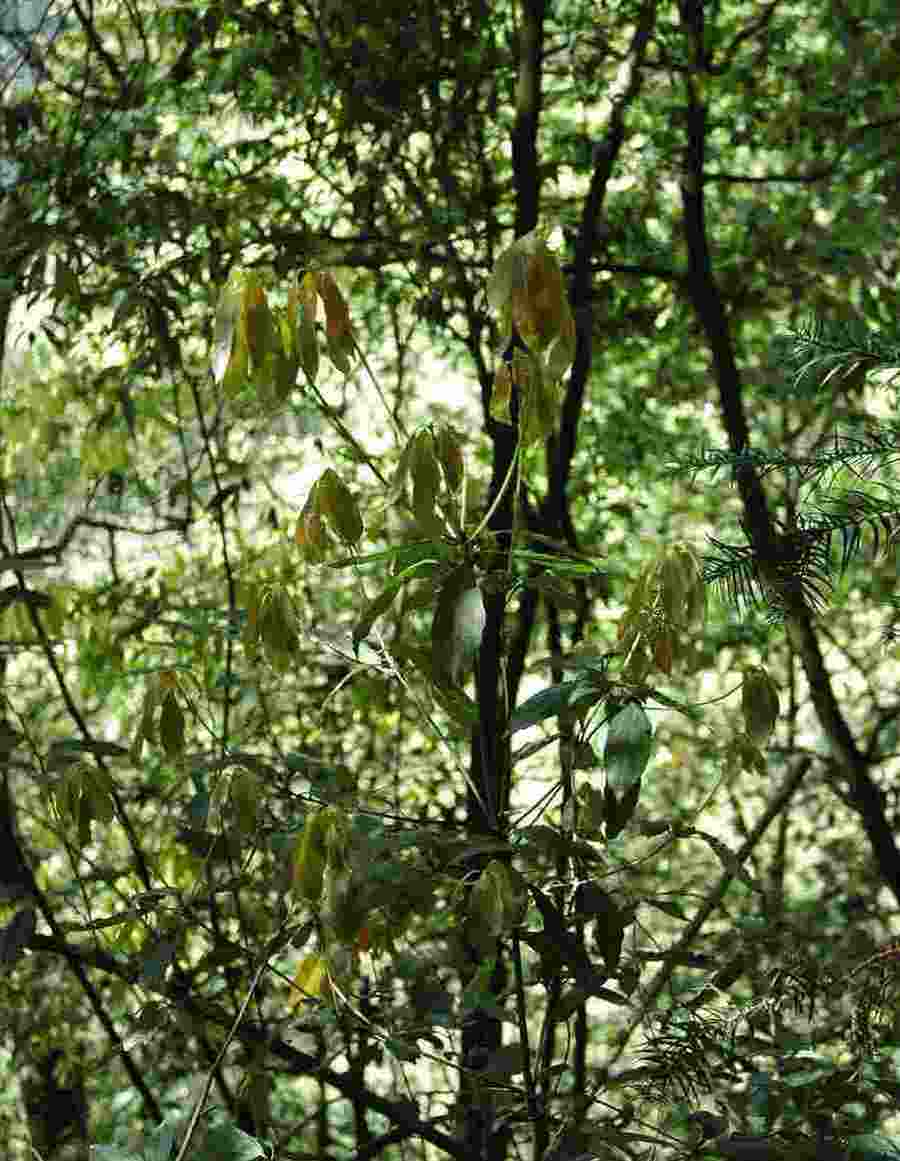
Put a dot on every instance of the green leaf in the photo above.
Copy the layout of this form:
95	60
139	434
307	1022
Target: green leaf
620	811
373	610
459	620
759	704
874	1147
426	479
401	1049
227	316
171	726
228	1143
159	1142
806	1077
761	1098
628	744
550	702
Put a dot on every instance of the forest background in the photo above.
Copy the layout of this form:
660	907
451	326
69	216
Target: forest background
449	529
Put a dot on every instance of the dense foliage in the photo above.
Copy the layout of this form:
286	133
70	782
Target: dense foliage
448	513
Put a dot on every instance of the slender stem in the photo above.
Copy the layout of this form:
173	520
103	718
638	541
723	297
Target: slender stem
496	504
522	1015
210	1076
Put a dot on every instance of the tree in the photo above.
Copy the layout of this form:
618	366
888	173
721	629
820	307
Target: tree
434	143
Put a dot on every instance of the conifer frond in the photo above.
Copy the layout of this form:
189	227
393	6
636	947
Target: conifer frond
853	515
823	353
803	567
815	356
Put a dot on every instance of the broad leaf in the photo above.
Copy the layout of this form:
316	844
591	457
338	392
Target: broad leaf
628	744
459	620
549	702
228	1143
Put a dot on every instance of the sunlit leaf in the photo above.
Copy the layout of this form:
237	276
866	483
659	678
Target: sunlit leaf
335	502
310	854
457	626
547	703
228	316
310	978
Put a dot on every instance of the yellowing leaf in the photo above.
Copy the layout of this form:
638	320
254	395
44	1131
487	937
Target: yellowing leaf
257	321
311	537
539	307
309	347
508	277
501	395
338	329
310	978
278	627
562	353
497	901
310	853
449	453
334	500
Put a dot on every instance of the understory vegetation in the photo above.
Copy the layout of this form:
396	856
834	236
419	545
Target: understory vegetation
448	623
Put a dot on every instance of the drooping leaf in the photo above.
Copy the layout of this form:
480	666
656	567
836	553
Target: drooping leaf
338	329
760	1089
495	902
228	1143
310	978
592	903
310	855
171	725
312	537
759	704
457	626
246	790
159	1142
570	950
549	702
425	472
620	811
628	744
335	502
501	394
449	453
258	323
373	610
228	316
